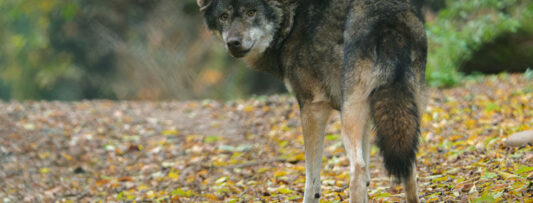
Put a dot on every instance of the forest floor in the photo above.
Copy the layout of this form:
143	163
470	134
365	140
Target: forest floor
252	150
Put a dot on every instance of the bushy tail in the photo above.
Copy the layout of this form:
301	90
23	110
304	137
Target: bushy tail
396	120
394	106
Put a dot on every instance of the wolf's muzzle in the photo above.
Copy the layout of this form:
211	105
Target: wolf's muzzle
236	48
234	43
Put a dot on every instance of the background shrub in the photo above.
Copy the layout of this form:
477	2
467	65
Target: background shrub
159	49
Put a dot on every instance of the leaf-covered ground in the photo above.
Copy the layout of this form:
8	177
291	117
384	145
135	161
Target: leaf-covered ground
252	150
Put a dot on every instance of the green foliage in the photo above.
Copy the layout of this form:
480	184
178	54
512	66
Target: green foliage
67	50
529	74
29	65
463	27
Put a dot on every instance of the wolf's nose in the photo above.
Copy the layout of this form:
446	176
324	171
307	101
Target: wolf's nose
234	43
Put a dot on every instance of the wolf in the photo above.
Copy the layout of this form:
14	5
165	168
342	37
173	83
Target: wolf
363	58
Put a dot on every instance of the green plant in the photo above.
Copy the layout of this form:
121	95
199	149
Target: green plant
529	74
463	27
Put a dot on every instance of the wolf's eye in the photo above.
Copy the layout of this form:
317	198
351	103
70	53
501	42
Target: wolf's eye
251	13
223	17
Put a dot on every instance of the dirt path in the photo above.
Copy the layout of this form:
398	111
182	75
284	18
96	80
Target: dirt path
253	149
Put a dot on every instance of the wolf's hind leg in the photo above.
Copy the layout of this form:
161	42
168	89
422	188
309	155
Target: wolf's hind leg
409	183
355	120
314	119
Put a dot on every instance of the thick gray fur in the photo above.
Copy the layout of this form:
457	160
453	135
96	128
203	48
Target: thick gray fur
364	58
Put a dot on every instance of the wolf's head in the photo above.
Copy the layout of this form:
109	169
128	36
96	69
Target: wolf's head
248	27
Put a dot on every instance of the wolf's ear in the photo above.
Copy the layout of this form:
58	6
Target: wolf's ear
203	4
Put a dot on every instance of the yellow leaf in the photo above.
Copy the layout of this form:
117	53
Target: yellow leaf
455	138
285	191
299	168
169	132
142	187
221	180
470	124
235	189
426	118
279	173
506	176
150	194
66	156
191	179
339	150
212	197
433	199
44	155
45	170
249	109
174	175
342	176
297	157
220	163
182	193
261	170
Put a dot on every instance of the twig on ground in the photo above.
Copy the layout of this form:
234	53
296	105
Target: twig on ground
250	164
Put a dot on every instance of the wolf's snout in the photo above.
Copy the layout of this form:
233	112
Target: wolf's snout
236	47
234	43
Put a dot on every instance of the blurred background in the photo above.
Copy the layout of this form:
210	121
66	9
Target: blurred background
160	49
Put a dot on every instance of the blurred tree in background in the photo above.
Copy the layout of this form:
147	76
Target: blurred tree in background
159	49
119	49
30	66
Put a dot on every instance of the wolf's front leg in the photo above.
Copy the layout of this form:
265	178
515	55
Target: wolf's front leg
314	119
